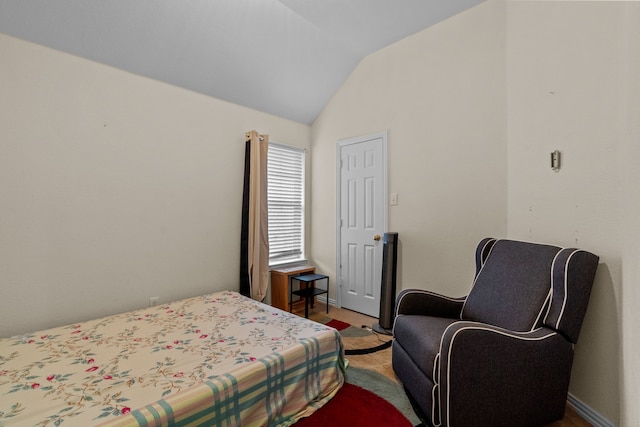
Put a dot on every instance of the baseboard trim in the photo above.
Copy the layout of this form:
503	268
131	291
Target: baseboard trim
589	414
323	299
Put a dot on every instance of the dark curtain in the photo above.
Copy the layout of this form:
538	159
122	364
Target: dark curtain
245	281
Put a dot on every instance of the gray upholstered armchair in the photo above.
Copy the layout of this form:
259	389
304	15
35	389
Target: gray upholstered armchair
502	355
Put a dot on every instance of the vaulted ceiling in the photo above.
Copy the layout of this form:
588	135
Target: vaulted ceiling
283	57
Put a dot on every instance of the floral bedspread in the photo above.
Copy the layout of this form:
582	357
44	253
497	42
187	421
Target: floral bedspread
218	359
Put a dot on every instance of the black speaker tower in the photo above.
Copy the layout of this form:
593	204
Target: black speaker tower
388	289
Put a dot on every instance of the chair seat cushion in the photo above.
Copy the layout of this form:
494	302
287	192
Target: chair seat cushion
420	337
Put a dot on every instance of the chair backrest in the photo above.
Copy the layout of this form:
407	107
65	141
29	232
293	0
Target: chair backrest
482	252
521	286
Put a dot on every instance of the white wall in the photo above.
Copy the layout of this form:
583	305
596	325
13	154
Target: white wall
114	188
573	85
629	159
441	96
542	76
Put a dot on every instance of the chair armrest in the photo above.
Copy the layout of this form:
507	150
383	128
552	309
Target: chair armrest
501	377
426	303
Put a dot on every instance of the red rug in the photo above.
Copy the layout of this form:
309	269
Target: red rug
338	324
354	406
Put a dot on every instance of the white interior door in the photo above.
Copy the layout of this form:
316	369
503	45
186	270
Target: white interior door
362	220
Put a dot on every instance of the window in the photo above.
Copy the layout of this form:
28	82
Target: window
285	181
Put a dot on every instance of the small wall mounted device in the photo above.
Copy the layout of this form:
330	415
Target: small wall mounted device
555	160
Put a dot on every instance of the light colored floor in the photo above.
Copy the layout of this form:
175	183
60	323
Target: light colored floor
381	360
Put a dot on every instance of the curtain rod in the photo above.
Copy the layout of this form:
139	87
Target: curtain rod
248	134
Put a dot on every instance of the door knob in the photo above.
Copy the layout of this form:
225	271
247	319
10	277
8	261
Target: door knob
376	237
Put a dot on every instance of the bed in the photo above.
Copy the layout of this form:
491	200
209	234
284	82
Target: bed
220	359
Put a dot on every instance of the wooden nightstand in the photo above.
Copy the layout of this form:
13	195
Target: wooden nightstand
280	279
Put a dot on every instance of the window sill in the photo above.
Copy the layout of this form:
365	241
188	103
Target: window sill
289	263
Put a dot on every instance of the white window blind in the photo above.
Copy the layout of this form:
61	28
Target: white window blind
285	180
